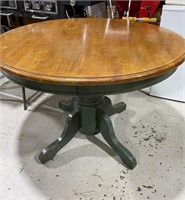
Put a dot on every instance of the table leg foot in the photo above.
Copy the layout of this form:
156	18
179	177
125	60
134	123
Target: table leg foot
71	128
111	109
108	134
67	105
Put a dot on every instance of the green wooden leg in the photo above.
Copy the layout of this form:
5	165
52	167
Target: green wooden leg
90	115
112	109
67	105
71	128
108	134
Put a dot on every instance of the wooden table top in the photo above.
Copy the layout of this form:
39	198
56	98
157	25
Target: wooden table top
90	51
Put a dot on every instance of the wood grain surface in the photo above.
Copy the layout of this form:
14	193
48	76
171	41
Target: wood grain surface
90	51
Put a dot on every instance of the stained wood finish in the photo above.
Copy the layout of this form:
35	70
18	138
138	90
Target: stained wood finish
84	52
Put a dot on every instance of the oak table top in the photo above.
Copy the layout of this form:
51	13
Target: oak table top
90	51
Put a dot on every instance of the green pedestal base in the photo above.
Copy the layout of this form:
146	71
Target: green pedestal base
90	116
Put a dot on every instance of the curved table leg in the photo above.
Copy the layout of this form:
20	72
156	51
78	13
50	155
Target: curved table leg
90	116
108	134
113	109
71	128
67	105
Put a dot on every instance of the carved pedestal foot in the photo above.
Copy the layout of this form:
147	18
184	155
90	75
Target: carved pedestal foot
71	128
90	115
108	134
67	105
112	109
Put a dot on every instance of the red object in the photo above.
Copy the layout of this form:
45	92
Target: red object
143	8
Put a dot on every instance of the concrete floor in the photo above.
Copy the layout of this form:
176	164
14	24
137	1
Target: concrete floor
87	169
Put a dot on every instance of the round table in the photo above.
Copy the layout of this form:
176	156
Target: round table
89	58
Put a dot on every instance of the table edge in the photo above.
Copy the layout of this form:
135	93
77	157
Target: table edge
93	81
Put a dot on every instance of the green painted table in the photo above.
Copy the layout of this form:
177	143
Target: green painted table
87	59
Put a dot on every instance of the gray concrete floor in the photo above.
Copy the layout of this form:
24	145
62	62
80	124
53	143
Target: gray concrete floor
87	169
